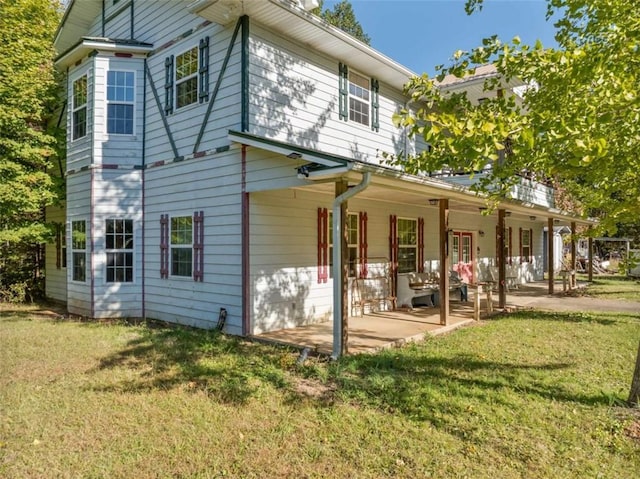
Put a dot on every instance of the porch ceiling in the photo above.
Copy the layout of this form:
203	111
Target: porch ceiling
401	194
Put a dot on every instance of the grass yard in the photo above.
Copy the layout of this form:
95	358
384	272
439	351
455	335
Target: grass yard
613	287
530	395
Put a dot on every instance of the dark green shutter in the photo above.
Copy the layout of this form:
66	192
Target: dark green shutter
375	105
168	85
343	96
204	70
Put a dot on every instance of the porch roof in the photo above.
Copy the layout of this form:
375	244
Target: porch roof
389	184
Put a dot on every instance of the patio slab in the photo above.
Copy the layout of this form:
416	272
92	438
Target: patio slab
375	331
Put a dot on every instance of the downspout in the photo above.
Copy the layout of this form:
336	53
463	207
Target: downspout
337	260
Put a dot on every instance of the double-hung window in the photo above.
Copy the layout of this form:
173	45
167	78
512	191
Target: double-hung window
119	248
359	99
187	78
79	250
181	246
352	243
525	245
407	245
120	102
79	108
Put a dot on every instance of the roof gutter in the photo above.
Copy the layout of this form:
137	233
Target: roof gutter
337	260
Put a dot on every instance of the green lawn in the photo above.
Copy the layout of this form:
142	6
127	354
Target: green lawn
530	395
613	287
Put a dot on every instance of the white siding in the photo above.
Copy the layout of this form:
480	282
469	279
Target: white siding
79	152
78	209
185	123
294	98
285	290
212	185
113	149
56	276
117	195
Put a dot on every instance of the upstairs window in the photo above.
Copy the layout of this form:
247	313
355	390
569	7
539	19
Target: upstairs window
79	108
359	98
120	102
119	246
187	78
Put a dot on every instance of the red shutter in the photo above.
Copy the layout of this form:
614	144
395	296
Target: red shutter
530	244
521	257
420	245
510	258
393	243
198	245
363	246
323	246
164	246
497	245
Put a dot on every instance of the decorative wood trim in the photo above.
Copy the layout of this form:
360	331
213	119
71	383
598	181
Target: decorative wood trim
198	246
216	88
375	105
420	245
343	91
363	245
203	70
160	109
323	246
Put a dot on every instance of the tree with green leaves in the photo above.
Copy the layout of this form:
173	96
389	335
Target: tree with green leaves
577	121
27	93
343	17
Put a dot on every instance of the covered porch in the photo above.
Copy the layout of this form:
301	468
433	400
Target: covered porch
379	330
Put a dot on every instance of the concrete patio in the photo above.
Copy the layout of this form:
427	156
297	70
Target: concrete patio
383	329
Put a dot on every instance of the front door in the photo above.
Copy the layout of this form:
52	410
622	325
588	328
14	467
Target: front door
462	255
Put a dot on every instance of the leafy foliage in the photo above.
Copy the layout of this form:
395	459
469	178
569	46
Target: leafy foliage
343	17
578	120
27	87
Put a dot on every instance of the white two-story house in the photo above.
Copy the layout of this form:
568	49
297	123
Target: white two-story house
211	143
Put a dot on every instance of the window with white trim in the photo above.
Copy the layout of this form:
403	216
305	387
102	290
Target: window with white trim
79	108
119	249
352	243
359	98
407	245
79	251
120	102
181	235
187	78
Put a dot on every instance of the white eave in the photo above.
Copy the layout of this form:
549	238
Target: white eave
307	29
76	22
90	44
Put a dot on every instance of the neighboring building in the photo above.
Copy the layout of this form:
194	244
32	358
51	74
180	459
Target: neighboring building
206	144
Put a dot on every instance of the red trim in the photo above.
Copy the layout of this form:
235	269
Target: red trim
246	286
164	246
363	246
123	55
323	245
198	246
420	245
521	258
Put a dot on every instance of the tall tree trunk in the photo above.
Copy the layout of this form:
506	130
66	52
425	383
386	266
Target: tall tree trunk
634	394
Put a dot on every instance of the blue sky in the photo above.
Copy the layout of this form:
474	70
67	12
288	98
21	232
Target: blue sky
421	34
